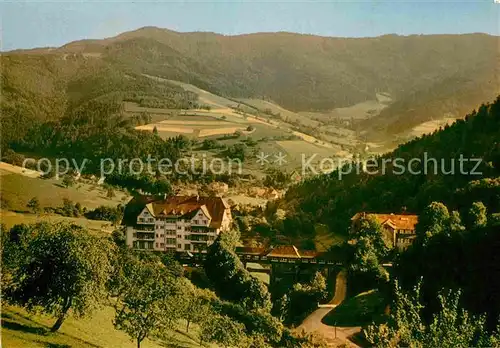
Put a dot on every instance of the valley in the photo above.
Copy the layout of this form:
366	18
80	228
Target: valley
225	197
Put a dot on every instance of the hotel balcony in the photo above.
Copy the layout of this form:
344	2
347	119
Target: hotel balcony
144	236
149	221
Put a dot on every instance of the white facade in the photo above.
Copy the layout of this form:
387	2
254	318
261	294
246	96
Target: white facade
176	233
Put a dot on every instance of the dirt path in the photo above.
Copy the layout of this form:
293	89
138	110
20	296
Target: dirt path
333	336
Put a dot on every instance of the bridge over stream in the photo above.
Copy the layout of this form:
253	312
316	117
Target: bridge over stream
281	254
280	262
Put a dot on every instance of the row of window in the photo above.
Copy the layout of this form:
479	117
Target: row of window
187	237
143	245
151	245
187	247
144	235
405	240
406	231
197	222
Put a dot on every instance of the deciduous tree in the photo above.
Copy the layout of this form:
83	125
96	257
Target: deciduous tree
61	267
34	205
477	217
450	327
432	221
148	299
224	331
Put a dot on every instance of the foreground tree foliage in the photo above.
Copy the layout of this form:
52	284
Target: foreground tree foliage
229	277
224	331
371	247
147	298
196	303
61	268
257	322
455	258
450	327
58	268
302	299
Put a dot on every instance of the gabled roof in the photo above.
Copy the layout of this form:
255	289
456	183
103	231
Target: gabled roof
150	209
285	251
288	251
205	211
395	221
308	254
181	206
134	207
250	250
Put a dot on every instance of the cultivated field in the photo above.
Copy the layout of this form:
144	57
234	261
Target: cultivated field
298	148
271	126
430	126
286	115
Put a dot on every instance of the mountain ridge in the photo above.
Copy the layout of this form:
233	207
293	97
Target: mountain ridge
263	33
303	72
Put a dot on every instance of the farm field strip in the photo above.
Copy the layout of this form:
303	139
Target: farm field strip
219	131
150	127
224	107
297	148
196	123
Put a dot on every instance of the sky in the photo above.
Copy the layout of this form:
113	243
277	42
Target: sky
55	23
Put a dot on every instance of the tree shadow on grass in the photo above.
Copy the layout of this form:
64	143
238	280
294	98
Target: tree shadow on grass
55	345
21	211
180	342
359	310
12	325
11	322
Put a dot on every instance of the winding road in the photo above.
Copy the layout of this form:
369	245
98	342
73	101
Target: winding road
333	336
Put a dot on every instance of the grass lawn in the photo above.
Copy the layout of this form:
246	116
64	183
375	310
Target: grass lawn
17	190
263	277
21	329
359	310
9	219
324	239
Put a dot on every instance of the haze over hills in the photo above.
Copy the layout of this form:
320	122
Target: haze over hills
426	76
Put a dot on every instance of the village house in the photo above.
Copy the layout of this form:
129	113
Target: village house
175	224
398	228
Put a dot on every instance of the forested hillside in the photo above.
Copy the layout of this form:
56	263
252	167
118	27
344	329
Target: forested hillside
329	200
40	88
426	76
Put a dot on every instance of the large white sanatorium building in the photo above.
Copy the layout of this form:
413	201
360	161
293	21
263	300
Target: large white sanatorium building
177	223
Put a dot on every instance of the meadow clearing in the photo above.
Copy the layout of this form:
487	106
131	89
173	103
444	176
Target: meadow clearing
16	190
23	329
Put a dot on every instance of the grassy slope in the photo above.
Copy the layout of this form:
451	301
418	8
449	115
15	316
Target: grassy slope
9	219
22	329
324	239
288	115
359	310
17	190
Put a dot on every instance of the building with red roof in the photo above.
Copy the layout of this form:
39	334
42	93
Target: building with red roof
177	223
398	228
